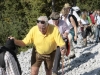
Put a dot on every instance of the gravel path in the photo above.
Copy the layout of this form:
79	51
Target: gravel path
87	62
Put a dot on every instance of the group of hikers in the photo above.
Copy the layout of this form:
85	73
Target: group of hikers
54	38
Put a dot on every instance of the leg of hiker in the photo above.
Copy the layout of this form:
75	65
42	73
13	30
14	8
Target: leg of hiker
48	72
35	63
34	70
72	52
49	63
97	30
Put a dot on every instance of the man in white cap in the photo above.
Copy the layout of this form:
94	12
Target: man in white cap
64	31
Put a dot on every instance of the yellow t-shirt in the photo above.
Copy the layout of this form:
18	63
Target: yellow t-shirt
44	44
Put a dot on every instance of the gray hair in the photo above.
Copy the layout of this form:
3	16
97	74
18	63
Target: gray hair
44	18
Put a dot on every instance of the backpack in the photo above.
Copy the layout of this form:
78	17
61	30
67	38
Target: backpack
75	19
71	14
2	62
10	47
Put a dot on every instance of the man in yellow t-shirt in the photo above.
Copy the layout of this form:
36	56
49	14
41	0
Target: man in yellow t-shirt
45	39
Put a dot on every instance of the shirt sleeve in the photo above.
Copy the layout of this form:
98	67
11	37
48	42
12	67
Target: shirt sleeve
89	19
58	38
29	37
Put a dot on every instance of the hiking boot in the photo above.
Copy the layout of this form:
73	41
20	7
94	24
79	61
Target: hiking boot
96	41
54	73
72	56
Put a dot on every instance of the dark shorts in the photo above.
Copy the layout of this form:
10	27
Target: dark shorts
86	32
37	59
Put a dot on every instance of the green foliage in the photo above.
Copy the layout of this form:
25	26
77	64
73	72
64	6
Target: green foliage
89	4
32	11
18	16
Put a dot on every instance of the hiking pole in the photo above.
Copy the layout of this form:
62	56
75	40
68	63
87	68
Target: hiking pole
69	63
62	64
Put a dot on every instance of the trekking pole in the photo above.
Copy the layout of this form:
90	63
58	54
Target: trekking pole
69	63
62	64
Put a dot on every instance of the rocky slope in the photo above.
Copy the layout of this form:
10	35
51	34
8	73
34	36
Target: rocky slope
87	61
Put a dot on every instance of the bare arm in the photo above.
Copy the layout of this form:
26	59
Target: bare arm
17	42
65	35
63	50
74	25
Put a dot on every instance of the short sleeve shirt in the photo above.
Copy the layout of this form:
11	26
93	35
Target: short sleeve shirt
44	44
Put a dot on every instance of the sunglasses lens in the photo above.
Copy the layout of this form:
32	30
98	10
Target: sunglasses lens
54	19
42	22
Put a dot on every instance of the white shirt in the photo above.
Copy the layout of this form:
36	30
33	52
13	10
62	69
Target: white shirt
84	22
62	26
97	18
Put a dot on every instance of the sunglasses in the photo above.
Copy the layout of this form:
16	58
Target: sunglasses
39	21
54	19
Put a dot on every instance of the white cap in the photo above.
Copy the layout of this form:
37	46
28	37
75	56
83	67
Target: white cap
76	8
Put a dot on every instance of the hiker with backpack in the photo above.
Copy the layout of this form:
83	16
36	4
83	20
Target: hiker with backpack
64	31
86	28
72	23
9	64
97	19
45	38
76	12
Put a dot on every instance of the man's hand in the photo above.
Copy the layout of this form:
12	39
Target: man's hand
65	35
10	37
75	37
63	50
17	42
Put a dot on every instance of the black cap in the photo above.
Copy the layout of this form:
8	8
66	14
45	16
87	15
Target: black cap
10	44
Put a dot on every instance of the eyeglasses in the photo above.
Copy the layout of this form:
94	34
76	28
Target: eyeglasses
42	22
54	19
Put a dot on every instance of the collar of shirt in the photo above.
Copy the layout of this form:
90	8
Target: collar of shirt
44	35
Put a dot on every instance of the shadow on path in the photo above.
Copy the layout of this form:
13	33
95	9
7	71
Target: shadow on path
93	72
75	63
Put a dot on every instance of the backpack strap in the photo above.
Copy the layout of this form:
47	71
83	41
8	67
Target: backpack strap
75	19
71	11
2	54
